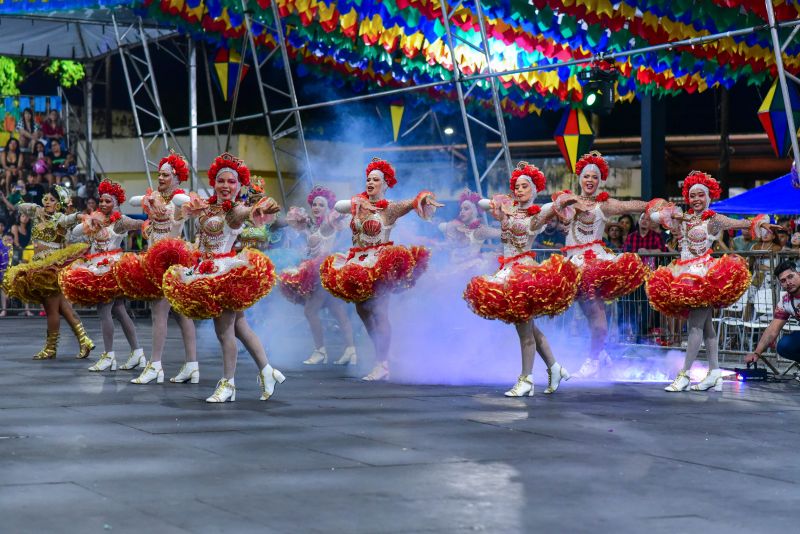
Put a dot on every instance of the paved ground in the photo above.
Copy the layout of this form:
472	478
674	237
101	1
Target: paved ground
86	453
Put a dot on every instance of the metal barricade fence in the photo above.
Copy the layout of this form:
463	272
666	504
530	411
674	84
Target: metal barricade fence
633	322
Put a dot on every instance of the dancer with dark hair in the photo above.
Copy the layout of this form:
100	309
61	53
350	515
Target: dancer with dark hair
375	266
37	280
224	282
697	283
140	275
523	288
90	280
301	285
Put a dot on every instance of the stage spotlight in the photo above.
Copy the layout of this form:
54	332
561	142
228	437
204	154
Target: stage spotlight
598	86
449	131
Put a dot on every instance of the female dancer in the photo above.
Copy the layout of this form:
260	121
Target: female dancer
91	280
606	276
466	234
375	266
224	283
301	285
697	283
522	288
37	280
140	275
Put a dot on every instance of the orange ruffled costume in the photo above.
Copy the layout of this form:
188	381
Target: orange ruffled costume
606	276
700	282
37	280
224	282
297	284
523	289
140	275
90	280
366	272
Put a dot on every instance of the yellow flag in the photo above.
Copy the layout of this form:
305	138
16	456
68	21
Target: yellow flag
397	117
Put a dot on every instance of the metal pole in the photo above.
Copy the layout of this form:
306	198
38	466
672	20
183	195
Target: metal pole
264	105
236	89
211	103
154	88
88	88
498	110
133	99
457	79
192	56
776	46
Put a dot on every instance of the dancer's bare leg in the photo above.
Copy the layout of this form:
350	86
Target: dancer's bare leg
375	315
697	329
527	345
224	326
543	346
189	337
250	340
595	312
126	322
339	311
311	310
159	311
106	325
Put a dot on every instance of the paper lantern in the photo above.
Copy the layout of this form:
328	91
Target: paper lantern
574	136
227	66
772	115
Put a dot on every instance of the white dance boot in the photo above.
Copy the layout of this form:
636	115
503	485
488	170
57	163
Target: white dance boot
190	372
591	367
319	355
226	391
136	359
152	371
712	380
379	372
555	375
106	361
267	378
523	387
681	383
349	357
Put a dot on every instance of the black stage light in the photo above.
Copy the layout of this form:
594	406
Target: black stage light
598	86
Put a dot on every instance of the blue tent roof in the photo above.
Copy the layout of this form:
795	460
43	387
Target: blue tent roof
777	197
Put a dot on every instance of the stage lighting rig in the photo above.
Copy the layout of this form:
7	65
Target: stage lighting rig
598	85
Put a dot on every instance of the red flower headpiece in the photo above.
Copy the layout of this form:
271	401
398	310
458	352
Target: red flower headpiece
386	168
525	169
107	187
698	177
228	161
468	195
324	192
593	158
178	164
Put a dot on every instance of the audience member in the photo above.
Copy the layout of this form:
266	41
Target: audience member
28	131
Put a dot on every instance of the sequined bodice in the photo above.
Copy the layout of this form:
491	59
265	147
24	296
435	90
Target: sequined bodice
516	234
164	226
586	226
696	239
370	231
318	243
47	233
106	239
214	234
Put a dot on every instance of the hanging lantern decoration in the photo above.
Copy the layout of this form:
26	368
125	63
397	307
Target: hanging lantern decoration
772	115
396	109
227	66
574	136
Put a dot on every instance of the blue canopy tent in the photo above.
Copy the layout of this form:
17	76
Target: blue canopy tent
777	197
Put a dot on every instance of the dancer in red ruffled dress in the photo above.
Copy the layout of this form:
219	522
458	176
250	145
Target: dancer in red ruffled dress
375	266
466	234
301	284
697	283
90	280
224	283
605	276
522	288
140	275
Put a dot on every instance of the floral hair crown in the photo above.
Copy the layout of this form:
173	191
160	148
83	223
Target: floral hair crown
228	162
107	187
324	192
700	178
593	158
178	164
386	170
531	171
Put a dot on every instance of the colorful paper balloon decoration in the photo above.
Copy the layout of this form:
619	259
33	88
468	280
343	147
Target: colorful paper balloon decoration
574	136
772	115
227	66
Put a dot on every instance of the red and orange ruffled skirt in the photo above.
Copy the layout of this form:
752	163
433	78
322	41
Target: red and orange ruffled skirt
702	282
606	276
298	283
523	289
37	280
90	280
366	272
140	275
233	281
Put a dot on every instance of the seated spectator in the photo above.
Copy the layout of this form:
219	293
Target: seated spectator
551	237
35	190
62	163
11	163
644	240
52	128
28	130
21	232
7	208
783	239
742	242
626	221
614	239
39	162
796	243
91	206
17	193
788	307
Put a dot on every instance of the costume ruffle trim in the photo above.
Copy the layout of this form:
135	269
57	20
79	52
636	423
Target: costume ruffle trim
38	279
611	279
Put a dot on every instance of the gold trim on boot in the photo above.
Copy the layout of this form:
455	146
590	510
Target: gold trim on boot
50	347
85	343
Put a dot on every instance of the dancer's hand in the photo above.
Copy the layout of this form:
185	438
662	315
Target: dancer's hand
195	206
264	211
751	357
